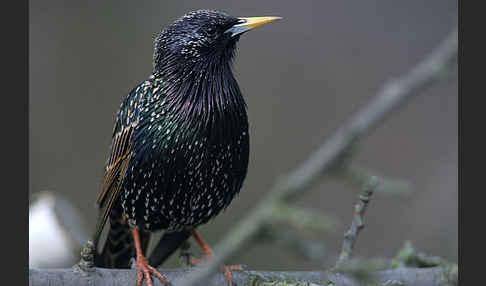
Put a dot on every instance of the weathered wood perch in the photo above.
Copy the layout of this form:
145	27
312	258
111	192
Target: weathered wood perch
434	276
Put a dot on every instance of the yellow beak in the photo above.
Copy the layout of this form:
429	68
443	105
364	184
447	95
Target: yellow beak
249	23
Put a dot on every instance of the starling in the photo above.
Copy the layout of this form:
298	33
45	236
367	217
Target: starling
180	144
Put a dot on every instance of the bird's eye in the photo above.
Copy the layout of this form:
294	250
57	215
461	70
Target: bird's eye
211	31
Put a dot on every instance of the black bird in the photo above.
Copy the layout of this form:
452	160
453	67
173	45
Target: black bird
180	145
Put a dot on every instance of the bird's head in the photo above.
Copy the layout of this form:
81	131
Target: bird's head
199	37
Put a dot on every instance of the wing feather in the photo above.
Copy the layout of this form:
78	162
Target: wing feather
115	170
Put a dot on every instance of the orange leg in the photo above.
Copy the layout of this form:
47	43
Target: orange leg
209	253
144	269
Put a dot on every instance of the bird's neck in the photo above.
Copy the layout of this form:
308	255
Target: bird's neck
204	90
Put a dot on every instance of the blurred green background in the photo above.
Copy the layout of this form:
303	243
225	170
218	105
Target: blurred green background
302	78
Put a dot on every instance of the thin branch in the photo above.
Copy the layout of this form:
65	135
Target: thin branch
389	98
436	276
360	175
357	223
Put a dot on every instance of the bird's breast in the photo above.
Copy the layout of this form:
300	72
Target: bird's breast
184	172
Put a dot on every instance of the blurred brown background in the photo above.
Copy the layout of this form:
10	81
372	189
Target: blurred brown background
302	77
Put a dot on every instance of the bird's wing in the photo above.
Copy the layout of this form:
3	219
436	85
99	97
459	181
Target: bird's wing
116	167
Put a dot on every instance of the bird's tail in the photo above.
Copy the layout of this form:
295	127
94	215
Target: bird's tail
119	247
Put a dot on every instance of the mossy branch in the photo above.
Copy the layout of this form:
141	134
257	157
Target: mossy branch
436	276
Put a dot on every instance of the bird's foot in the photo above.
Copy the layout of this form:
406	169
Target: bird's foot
208	252
226	269
144	270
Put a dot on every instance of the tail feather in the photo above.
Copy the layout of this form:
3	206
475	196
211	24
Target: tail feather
119	247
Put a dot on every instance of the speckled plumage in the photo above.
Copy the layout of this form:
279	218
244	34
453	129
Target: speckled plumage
180	144
184	168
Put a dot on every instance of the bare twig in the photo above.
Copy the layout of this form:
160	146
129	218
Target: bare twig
359	176
436	276
388	99
357	223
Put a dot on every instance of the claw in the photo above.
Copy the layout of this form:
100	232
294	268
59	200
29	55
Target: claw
209	253
194	261
144	269
132	263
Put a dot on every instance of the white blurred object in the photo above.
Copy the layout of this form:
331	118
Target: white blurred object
56	232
